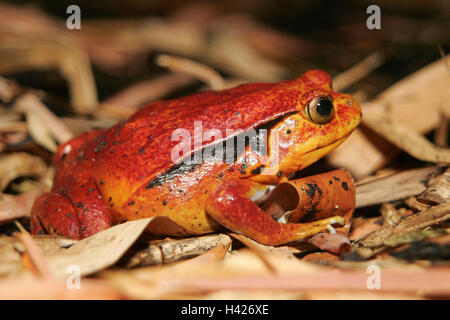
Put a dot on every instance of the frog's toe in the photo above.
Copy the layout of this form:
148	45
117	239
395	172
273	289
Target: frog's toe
335	220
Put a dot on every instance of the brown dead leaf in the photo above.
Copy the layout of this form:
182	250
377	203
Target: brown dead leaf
363	226
438	191
43	124
52	50
317	197
34	253
129	100
98	251
49	243
246	62
12	126
313	198
337	243
391	216
10	263
19	206
407	139
363	153
20	164
40	132
441	132
8	90
376	241
321	258
416	205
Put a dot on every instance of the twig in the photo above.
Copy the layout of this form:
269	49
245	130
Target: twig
192	68
127	101
33	252
168	251
374	242
358	71
394	187
407	139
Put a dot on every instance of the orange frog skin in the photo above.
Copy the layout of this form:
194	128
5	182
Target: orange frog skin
127	172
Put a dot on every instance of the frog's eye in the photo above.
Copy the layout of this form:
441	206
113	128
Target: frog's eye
320	109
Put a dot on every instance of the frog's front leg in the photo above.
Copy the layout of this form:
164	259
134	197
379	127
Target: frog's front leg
229	204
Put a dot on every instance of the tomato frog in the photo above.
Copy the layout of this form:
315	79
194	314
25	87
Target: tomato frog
128	172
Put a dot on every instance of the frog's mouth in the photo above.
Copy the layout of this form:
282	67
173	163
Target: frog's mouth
312	156
296	162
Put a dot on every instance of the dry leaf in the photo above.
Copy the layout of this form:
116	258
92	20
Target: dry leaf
313	198
363	226
34	253
407	139
40	132
375	241
246	62
98	251
58	50
20	164
363	153
14	207
129	100
11	262
439	190
391	216
42	122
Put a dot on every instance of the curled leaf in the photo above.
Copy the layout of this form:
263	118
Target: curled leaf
20	164
313	198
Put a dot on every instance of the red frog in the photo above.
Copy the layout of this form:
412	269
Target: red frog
128	171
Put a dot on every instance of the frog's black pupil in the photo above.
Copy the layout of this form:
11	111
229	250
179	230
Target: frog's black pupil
324	107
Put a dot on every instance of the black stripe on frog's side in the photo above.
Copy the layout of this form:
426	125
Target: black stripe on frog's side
176	171
182	168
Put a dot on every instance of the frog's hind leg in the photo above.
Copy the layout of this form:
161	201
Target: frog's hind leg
53	213
76	211
229	205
